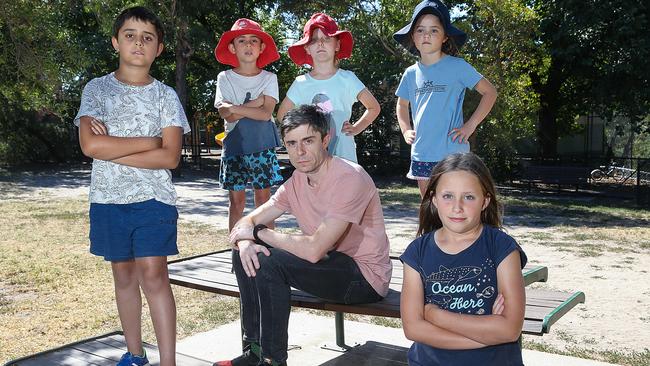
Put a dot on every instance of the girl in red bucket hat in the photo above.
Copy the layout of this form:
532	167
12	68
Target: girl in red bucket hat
333	89
246	96
434	88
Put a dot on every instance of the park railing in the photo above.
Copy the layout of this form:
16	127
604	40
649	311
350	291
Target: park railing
612	176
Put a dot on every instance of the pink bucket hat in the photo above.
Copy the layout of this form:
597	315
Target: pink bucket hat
328	26
246	26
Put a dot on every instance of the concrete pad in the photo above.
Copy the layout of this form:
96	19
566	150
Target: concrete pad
307	333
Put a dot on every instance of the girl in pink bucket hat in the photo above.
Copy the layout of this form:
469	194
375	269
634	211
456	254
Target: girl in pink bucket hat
246	96
333	89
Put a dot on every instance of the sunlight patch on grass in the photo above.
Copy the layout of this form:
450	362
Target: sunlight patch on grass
400	195
540	235
386	322
590	250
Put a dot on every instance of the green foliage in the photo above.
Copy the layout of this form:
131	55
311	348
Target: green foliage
592	58
500	40
622	51
550	60
40	57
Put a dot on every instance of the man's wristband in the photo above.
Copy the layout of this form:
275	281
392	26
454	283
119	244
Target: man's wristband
256	231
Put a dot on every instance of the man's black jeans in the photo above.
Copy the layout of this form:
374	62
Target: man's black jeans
265	298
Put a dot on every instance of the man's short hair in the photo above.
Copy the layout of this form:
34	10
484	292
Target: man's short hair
142	14
306	114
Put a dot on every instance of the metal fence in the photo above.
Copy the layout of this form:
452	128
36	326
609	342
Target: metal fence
612	176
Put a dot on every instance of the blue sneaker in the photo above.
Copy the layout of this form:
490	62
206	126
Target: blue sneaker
129	359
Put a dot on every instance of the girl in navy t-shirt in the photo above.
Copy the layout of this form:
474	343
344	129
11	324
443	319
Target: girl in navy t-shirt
463	296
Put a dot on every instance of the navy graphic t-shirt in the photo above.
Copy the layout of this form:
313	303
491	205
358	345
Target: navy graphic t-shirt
465	282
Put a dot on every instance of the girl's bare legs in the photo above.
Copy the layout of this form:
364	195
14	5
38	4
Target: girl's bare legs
261	196
422	184
154	280
236	205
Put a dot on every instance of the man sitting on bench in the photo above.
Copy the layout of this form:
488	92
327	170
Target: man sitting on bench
340	256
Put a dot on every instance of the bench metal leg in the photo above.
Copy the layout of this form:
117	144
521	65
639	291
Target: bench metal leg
340	329
340	335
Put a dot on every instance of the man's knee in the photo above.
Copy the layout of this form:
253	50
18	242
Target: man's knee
271	265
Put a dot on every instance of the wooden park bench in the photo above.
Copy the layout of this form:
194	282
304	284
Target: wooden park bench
104	350
574	176
212	272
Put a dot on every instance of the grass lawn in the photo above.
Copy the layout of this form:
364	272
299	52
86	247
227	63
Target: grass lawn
52	291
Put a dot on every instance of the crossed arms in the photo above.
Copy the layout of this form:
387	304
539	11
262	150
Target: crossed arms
426	323
138	152
308	247
260	108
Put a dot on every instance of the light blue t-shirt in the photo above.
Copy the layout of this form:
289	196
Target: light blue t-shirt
335	95
435	93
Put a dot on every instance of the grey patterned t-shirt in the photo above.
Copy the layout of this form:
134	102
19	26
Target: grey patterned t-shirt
131	111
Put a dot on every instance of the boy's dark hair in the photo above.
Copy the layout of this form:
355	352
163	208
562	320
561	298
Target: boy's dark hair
310	115
468	162
142	14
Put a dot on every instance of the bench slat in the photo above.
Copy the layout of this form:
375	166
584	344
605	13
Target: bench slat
532	327
559	311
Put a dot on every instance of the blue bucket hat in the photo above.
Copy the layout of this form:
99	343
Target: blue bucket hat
437	8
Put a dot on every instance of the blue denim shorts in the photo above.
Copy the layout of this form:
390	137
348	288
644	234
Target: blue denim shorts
121	232
421	170
260	170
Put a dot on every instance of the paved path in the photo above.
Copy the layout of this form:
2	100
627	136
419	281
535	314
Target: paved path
199	198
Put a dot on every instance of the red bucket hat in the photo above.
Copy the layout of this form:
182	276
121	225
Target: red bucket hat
328	26
246	26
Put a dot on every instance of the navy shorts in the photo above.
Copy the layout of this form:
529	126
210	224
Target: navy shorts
260	170
421	170
121	232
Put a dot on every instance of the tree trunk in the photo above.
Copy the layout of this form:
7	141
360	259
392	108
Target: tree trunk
547	129
629	145
183	53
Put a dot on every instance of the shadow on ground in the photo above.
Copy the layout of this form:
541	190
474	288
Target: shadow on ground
200	195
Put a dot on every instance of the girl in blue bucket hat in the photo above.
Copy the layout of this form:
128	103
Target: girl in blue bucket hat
434	89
